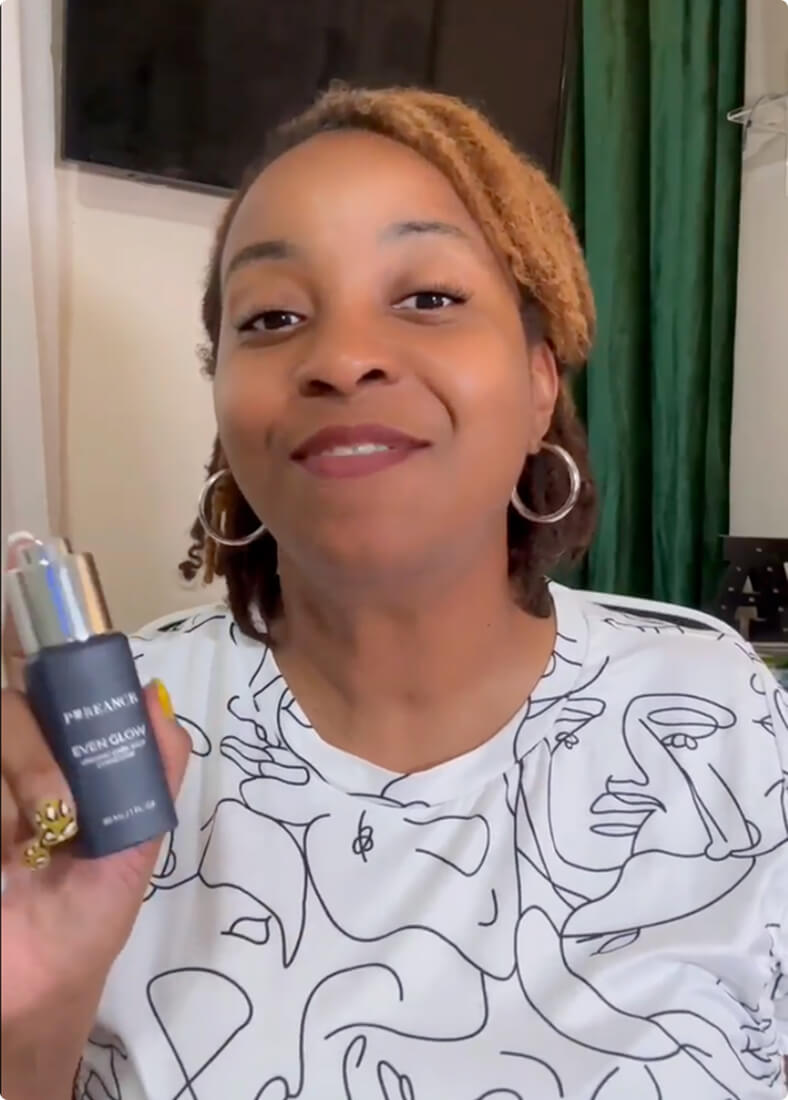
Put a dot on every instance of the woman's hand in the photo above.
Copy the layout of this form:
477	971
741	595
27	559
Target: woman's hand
64	920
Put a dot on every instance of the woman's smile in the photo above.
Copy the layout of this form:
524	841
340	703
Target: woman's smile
345	451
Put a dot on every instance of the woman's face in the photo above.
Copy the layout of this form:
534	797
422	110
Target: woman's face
375	394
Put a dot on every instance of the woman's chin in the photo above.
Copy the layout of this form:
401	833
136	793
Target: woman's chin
367	558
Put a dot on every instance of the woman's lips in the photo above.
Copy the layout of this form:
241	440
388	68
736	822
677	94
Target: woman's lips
355	451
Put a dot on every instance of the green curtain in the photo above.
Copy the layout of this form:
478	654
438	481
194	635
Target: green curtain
651	172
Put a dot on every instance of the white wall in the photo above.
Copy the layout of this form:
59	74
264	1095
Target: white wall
759	446
24	480
139	420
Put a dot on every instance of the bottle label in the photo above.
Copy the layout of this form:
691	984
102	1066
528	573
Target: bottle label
103	706
90	705
113	747
119	745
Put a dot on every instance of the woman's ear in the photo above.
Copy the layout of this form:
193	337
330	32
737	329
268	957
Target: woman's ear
545	387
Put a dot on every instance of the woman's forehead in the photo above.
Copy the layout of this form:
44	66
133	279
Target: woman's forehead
349	179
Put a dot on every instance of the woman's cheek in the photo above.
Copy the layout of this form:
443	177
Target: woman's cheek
495	399
244	400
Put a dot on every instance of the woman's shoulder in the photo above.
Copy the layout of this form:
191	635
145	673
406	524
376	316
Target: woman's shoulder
207	620
192	651
180	634
661	650
656	631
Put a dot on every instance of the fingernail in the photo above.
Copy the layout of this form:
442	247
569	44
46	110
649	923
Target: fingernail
36	857
165	702
56	823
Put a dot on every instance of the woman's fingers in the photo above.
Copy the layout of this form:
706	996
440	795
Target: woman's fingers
37	803
13	656
34	789
174	742
9	820
33	780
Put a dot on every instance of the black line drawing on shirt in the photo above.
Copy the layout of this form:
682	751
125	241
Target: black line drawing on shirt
396	987
110	1053
584	708
197	623
425	1034
501	1094
261	689
489	923
759	1060
201	743
541	1062
393	1085
283	898
185	624
364	840
662	807
643	625
617	1084
597	1024
261	733
231	1012
781	708
353	1056
476	861
284	707
422	846
259	667
256	930
658	733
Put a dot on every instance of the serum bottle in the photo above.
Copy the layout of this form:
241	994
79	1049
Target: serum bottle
83	688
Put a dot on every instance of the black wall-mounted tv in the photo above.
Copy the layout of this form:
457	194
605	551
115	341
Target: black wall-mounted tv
186	90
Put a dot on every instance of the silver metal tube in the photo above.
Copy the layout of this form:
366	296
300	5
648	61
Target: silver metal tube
55	596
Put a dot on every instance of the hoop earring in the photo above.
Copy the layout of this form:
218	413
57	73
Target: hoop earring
571	500
202	511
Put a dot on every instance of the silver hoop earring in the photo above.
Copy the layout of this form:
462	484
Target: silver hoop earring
571	500
202	511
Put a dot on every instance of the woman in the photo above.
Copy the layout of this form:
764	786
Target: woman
445	831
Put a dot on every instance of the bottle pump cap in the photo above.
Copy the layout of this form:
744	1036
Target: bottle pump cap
55	596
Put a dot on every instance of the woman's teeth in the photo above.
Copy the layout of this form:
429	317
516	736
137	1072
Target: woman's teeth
356	449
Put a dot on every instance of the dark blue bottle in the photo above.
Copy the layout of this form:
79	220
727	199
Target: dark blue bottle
83	688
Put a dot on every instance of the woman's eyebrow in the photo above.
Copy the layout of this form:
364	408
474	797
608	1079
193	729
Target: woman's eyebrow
420	227
280	249
259	252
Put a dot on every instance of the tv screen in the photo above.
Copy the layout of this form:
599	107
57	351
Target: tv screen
187	90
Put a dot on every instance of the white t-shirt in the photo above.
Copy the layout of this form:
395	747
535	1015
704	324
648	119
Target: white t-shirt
593	904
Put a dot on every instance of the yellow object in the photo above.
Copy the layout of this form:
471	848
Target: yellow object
165	702
36	856
55	822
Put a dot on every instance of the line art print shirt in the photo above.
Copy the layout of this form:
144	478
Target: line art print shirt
592	904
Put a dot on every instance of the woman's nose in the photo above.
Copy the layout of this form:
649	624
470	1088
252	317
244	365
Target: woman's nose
343	361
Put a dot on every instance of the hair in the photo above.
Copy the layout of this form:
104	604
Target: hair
527	224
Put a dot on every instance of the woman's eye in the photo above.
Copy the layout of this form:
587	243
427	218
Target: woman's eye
431	300
270	320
